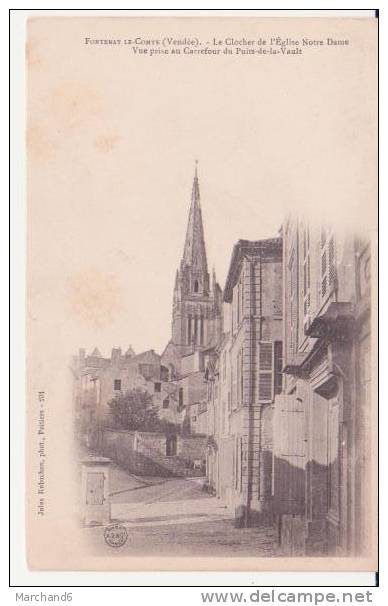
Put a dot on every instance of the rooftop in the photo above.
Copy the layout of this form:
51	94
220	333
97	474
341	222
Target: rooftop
243	248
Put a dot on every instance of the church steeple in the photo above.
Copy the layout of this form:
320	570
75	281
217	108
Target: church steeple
195	309
194	254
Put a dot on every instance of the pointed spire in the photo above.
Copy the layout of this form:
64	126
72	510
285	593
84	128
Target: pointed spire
129	353
194	252
214	278
195	191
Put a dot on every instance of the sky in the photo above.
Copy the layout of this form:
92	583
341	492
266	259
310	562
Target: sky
112	143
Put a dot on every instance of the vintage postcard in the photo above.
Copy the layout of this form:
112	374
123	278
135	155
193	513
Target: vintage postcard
201	277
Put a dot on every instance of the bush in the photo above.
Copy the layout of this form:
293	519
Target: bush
134	410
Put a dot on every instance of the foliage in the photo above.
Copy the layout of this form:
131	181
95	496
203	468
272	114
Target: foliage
134	410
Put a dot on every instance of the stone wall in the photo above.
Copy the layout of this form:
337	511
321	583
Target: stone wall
192	448
145	453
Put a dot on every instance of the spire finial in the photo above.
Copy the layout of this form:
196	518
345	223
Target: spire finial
195	191
194	251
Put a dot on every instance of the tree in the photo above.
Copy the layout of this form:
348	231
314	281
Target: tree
134	410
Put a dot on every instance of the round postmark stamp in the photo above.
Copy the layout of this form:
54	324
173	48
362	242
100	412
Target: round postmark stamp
115	535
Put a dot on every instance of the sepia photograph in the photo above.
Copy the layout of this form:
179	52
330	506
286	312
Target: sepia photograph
202	293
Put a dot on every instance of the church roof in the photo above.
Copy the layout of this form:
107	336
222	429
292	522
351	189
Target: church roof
194	254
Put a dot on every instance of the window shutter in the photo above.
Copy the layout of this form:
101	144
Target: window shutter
328	272
306	278
266	371
278	367
293	300
289	455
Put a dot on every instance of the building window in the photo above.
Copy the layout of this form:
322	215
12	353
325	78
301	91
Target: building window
306	277
194	418
196	286
189	329
278	364
166	402
266	380
293	301
157	387
240	377
327	263
241	299
117	385
180	397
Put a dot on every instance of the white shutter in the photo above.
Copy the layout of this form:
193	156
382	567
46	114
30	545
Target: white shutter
266	371
328	270
306	277
292	300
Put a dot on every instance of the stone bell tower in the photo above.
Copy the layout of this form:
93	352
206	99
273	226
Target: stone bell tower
197	303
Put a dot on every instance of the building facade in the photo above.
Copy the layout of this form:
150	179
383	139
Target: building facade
98	380
322	446
244	378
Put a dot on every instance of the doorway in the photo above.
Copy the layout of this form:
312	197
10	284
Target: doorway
171	446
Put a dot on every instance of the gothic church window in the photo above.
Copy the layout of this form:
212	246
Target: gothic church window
196	286
117	385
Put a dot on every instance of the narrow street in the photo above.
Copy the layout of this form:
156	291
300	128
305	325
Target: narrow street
175	517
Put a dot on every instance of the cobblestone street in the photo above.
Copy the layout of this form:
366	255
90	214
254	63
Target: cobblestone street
175	517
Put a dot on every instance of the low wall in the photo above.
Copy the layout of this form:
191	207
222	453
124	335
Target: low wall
192	448
144	453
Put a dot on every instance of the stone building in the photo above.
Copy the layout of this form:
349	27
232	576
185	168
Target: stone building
322	446
196	321
244	376
98	380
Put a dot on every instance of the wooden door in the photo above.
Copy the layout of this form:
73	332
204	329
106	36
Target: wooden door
171	446
95	488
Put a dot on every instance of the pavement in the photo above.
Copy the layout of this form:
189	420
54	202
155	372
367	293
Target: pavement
174	516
